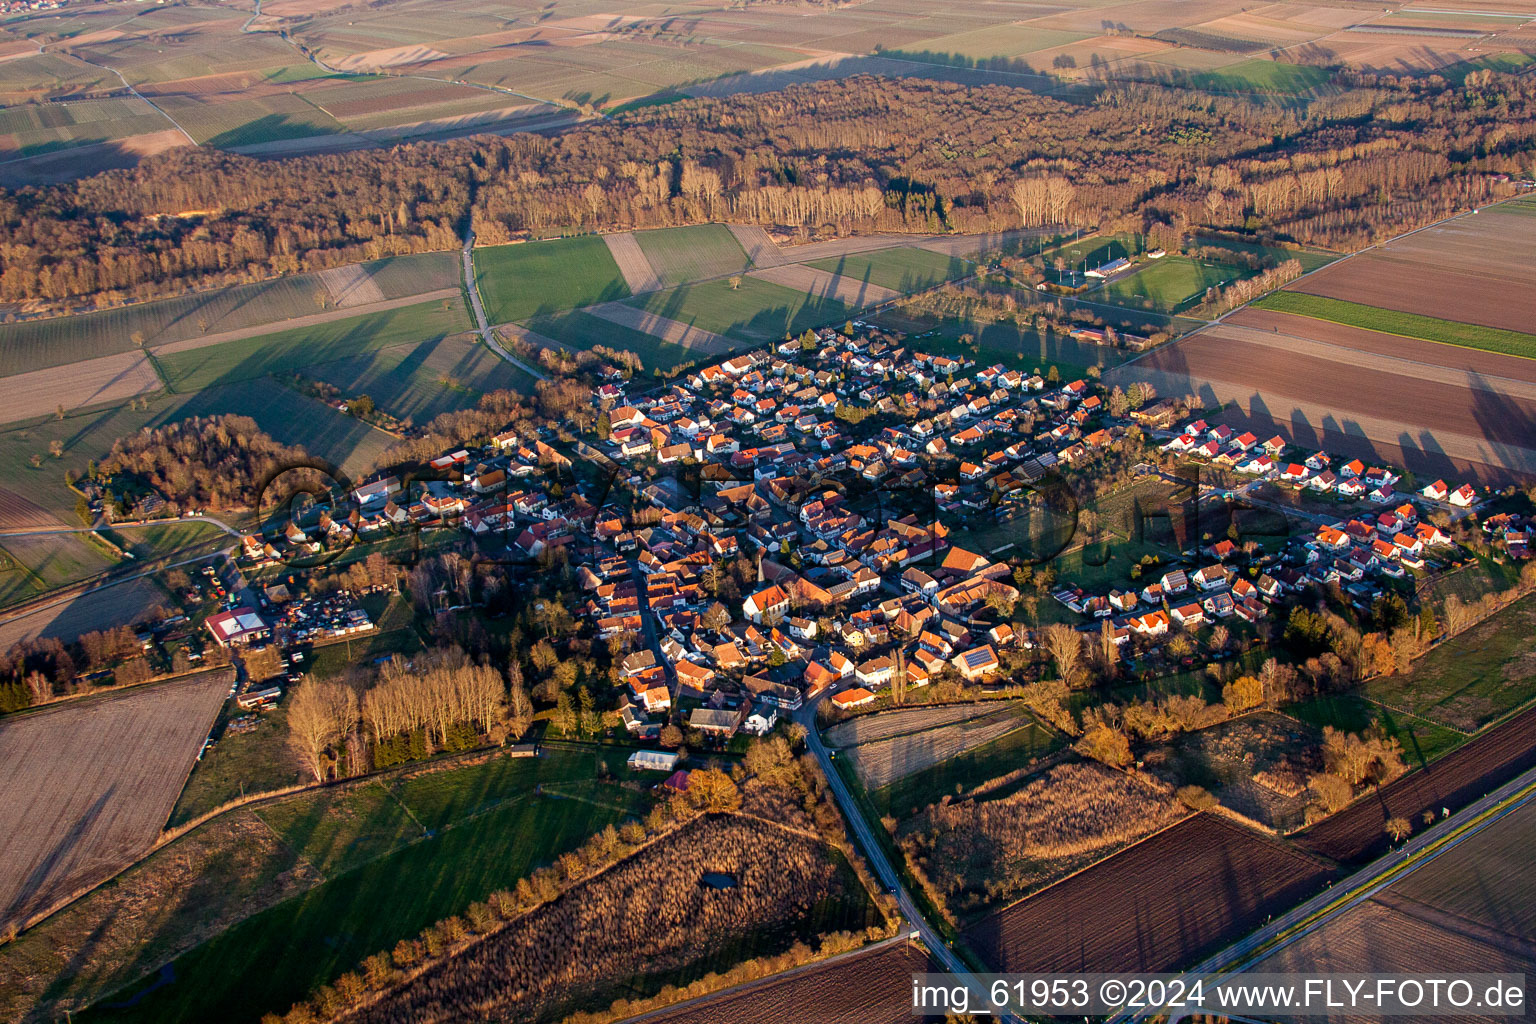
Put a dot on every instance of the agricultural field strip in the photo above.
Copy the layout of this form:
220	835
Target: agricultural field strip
882	762
351	285
901	721
93	782
671	331
760	249
297	323
849	291
638	273
75	385
1368	361
1368	436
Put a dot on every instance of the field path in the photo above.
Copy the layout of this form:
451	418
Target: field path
674	331
75	385
850	291
92	781
637	270
763	251
351	285
311	320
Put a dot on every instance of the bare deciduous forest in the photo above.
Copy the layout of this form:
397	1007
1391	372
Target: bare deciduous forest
859	154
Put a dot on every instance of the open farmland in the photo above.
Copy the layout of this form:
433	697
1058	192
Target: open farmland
580	330
754	310
643	922
994	845
881	762
35	129
36	564
210	315
1468	909
290	891
1470	680
102	607
869	987
189	366
1159	905
892	722
533	278
108	380
1324	396
1466	773
1408	325
679	255
850	292
897	269
1017	750
92	782
417	382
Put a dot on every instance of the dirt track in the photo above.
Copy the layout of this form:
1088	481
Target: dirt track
761	249
90	784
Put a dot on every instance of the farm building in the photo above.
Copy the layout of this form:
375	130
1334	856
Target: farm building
239	626
652	761
854	698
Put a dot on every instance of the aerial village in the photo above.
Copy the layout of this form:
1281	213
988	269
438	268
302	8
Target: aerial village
911	520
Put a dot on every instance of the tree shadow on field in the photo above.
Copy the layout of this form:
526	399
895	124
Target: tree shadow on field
44	882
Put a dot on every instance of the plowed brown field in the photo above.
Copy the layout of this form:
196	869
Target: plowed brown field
1496	294
1471	770
1159	905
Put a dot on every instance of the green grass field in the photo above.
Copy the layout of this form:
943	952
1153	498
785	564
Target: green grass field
186	538
680	255
902	269
32	566
1092	251
1259	75
1169	285
756	311
534	278
990	760
297	348
456	836
1409	325
1472	679
37	344
417	382
1422	741
583	330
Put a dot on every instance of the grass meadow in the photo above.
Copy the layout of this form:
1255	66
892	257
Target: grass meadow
755	311
900	269
458	835
694	253
534	278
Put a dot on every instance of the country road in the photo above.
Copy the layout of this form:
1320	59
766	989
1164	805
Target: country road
884	870
486	334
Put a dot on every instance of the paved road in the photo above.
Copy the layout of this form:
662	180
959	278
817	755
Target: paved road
1363	885
884	870
486	334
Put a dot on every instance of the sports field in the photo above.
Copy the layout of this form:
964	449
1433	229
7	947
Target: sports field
755	310
1169	285
1412	325
679	255
534	278
192	369
900	269
459	835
